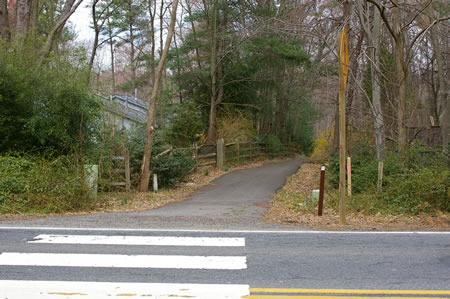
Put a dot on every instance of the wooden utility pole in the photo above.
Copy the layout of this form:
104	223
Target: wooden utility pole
343	71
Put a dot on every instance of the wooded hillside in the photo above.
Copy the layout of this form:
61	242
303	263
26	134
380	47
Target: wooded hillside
263	71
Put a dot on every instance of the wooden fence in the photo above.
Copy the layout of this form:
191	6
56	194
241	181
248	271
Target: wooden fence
221	153
205	155
123	172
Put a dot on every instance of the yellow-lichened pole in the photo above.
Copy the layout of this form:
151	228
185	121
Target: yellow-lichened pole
343	70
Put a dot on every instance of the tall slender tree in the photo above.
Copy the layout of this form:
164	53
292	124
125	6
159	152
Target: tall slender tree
372	30
145	167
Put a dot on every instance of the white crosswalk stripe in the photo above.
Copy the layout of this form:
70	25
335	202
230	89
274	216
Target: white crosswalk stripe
138	240
123	261
99	290
24	289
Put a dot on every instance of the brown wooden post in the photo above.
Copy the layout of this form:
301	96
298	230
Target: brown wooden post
127	172
220	154
321	189
238	150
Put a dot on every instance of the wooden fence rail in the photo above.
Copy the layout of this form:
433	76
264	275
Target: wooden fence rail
205	155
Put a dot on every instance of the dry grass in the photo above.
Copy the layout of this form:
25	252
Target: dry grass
284	209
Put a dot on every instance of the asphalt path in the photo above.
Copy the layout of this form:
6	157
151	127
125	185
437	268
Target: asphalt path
273	259
235	200
216	246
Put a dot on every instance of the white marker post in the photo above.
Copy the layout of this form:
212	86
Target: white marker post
155	183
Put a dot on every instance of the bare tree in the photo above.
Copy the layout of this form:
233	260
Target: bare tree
373	32
398	22
443	91
145	167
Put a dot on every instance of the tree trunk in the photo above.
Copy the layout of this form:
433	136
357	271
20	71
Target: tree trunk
23	13
211	137
145	167
96	38
180	95
351	83
161	27
111	49
93	54
373	32
380	139
153	48
4	24
69	8
442	93
34	20
132	58
197	54
401	75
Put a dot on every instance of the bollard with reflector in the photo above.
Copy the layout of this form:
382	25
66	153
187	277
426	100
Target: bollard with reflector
321	189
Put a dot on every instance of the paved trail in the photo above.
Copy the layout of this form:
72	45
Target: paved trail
233	201
216	246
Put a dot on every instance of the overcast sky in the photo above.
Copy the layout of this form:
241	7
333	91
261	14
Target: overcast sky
81	20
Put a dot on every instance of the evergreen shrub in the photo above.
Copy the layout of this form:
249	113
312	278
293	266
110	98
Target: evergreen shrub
40	185
417	183
45	107
273	145
186	126
171	168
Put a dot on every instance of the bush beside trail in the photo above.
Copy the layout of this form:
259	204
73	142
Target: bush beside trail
417	183
293	205
415	188
39	185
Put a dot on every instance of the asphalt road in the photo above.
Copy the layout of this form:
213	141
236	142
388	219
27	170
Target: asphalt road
215	246
234	200
259	261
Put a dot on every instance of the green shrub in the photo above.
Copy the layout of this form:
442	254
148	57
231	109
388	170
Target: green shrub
273	145
186	126
413	184
171	168
42	186
12	179
45	107
418	190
